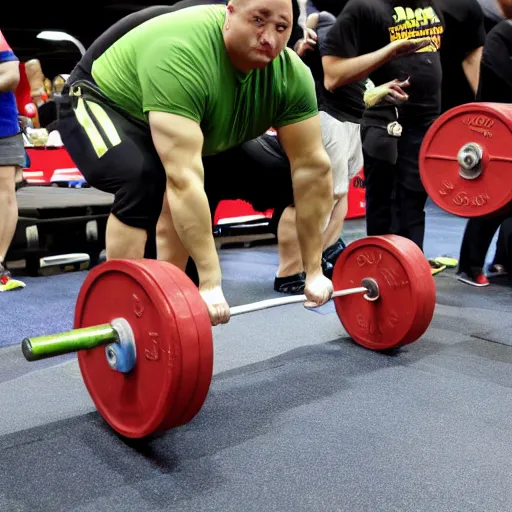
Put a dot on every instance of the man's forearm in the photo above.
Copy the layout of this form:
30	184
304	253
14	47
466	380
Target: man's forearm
313	204
339	72
192	220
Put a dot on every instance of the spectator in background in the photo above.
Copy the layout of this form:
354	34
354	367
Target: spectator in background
12	158
461	51
495	86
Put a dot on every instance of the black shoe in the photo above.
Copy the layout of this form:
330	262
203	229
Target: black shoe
330	256
293	284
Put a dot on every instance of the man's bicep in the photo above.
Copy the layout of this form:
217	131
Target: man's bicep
179	142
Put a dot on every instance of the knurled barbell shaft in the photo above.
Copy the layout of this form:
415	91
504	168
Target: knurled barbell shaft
42	347
272	303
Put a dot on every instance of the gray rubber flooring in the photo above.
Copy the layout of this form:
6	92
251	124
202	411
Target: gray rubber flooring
298	417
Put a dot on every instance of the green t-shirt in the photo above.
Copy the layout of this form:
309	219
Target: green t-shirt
177	63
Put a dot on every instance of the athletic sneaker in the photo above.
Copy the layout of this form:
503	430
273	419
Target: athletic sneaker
478	279
7	283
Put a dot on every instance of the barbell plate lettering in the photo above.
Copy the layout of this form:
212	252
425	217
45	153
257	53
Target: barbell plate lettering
407	293
487	125
136	404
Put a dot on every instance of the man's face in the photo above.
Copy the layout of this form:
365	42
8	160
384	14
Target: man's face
257	31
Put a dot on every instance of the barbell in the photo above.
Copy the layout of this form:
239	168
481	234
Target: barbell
144	338
465	160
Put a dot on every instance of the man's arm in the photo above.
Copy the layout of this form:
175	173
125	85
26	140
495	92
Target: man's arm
347	56
312	186
9	75
179	141
471	67
339	71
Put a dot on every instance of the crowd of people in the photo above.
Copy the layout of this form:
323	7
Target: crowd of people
170	110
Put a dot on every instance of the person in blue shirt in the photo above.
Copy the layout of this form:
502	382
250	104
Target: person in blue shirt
12	157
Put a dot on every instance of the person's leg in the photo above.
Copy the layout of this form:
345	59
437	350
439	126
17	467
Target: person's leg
500	264
477	238
411	214
121	160
379	177
506	232
342	141
12	157
290	260
410	193
8	208
123	241
334	229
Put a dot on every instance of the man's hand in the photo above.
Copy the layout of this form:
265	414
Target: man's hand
391	92
404	47
318	290
307	43
179	141
217	306
312	187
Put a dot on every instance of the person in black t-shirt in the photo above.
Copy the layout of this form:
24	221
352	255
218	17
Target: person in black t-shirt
495	86
461	52
389	40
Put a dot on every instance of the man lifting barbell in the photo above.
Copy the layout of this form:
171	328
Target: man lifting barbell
187	84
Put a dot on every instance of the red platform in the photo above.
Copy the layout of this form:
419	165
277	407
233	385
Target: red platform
54	165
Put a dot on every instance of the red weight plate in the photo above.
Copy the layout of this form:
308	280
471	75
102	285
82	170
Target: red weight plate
198	382
486	124
138	403
406	304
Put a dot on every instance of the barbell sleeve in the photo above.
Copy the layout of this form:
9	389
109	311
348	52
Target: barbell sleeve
42	347
272	303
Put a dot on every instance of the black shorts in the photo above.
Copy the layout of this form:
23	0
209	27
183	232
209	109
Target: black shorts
115	154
